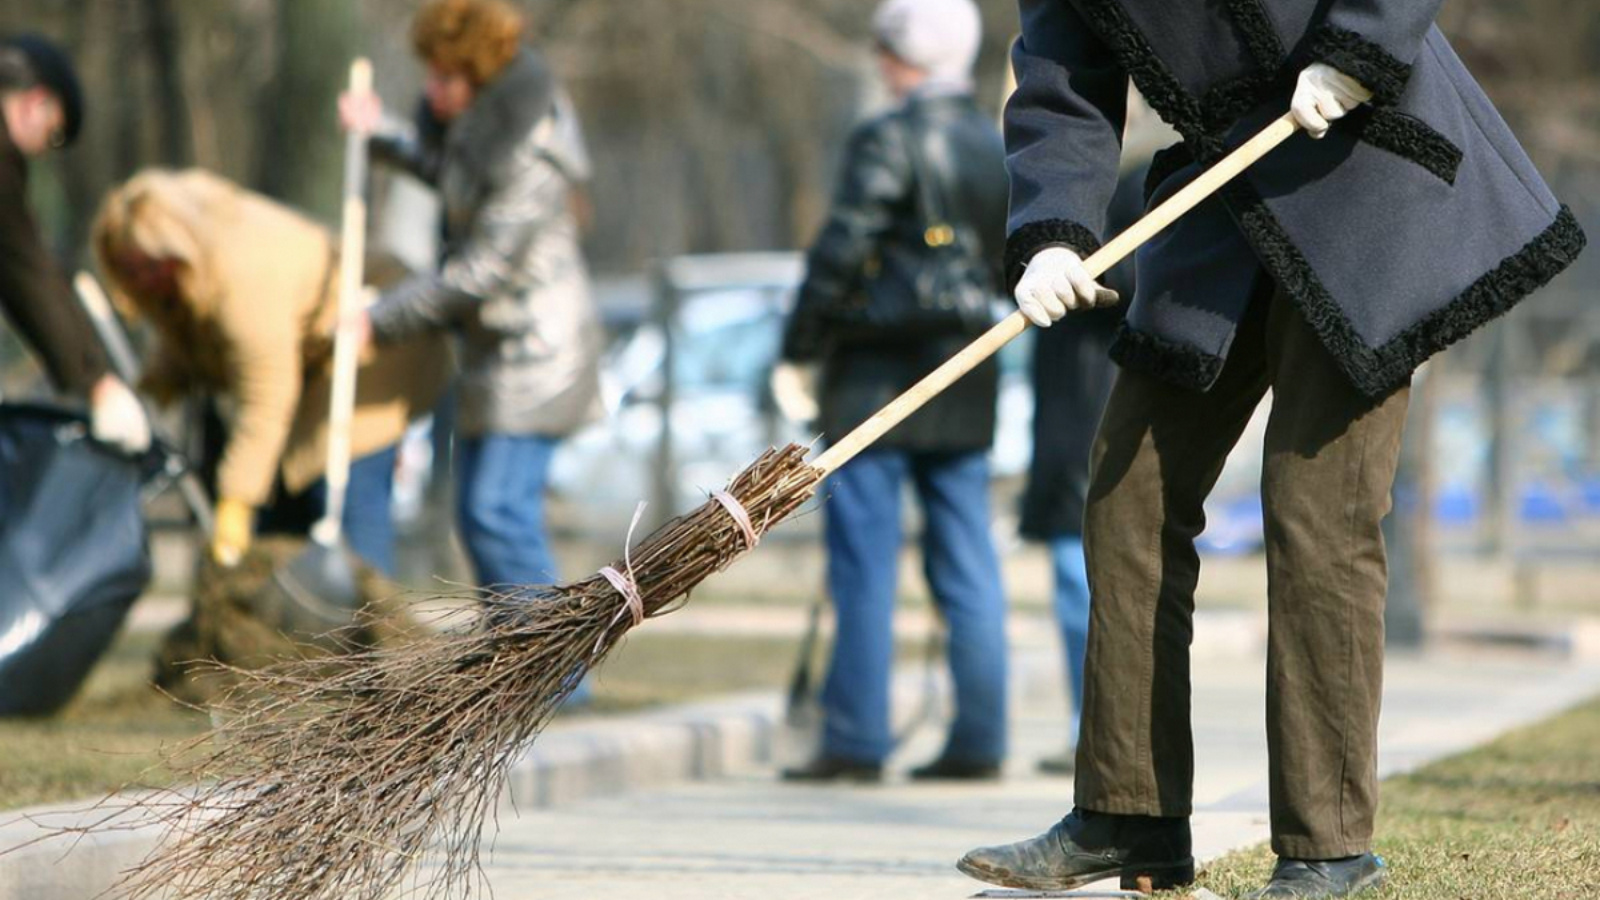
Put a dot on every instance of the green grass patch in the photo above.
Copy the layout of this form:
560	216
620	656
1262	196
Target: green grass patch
1517	819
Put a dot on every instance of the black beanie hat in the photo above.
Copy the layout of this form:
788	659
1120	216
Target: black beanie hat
53	70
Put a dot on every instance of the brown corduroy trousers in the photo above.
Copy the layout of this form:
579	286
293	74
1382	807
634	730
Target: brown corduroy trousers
1329	464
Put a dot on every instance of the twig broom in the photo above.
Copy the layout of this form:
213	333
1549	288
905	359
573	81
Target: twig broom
331	783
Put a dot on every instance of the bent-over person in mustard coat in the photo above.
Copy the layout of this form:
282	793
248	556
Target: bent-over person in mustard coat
242	293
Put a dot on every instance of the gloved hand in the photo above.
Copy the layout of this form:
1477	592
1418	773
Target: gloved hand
1055	283
794	389
231	531
1324	94
116	417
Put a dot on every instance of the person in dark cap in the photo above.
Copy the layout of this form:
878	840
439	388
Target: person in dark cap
41	109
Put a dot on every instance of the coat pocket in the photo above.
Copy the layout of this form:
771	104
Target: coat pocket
1409	138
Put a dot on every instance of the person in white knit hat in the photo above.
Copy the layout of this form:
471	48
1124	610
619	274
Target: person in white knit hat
937	38
901	277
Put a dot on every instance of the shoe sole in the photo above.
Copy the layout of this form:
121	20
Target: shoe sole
1144	879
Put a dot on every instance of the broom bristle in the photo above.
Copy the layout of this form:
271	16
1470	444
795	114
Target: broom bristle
333	782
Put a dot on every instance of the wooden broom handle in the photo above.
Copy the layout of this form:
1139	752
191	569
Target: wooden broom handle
1112	253
352	255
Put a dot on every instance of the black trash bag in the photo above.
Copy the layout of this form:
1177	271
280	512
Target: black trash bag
73	554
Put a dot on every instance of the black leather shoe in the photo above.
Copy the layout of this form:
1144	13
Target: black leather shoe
1146	853
1313	879
835	768
946	769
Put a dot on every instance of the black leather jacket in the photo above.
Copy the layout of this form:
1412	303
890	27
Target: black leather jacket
876	212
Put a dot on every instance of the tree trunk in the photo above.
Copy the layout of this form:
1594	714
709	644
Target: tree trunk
166	53
302	146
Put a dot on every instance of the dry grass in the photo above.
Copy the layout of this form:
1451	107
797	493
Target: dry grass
1518	819
110	734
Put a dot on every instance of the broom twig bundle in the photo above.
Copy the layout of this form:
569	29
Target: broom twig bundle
338	775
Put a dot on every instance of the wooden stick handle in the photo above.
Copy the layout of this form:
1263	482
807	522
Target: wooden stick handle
352	253
1015	324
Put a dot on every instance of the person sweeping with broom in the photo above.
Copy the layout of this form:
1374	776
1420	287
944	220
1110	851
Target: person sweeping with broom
1325	274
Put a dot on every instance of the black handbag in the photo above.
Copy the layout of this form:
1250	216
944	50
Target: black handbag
941	287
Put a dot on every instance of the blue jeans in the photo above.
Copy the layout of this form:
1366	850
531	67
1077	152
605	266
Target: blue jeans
368	519
368	522
501	481
863	538
1072	615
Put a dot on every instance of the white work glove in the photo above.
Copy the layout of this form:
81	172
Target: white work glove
794	390
116	417
1056	283
1324	94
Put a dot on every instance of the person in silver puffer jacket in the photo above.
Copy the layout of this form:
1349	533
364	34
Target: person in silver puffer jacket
498	139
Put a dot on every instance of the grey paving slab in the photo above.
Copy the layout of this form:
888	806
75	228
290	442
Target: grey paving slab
748	835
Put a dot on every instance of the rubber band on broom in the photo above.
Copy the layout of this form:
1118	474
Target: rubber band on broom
628	588
632	600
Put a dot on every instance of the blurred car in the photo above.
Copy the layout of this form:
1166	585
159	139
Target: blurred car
700	343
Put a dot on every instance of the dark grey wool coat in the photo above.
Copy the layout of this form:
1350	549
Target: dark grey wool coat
1416	220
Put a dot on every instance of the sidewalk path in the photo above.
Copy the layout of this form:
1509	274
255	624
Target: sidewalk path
750	836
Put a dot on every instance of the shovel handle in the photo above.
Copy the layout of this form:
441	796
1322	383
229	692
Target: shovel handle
1015	324
352	252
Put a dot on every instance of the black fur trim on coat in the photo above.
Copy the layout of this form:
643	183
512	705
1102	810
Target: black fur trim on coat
1023	243
1161	89
1255	25
1201	121
1166	163
1181	364
1378	371
1409	138
1361	59
1226	102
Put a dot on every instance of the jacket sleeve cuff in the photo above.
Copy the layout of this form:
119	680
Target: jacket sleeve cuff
1378	70
406	310
1029	239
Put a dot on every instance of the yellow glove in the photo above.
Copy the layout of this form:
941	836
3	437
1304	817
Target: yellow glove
231	531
